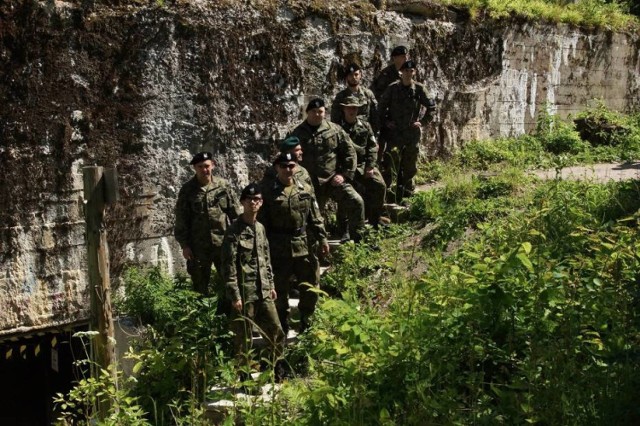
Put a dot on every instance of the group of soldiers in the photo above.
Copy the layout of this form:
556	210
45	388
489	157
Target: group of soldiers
274	235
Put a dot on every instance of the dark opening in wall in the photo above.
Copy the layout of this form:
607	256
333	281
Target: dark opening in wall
33	369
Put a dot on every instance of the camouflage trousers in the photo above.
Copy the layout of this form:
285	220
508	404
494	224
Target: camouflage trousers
373	191
263	313
199	269
306	271
401	158
348	200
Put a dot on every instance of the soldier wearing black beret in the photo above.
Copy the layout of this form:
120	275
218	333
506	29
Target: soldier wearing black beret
206	205
368	109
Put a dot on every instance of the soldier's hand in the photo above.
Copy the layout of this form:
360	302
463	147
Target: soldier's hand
187	253
325	249
274	295
337	180
416	124
237	305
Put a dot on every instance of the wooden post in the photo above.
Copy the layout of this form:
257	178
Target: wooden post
103	345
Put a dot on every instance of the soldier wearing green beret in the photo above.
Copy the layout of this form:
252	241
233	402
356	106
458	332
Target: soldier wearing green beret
290	145
292	218
248	279
206	205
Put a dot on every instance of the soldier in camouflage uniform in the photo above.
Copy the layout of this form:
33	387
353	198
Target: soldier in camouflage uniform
331	158
248	279
388	75
291	145
206	206
391	73
368	181
290	214
368	109
401	111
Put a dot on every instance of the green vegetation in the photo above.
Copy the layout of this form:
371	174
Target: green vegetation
505	300
613	15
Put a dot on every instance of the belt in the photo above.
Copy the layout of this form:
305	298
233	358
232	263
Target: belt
295	232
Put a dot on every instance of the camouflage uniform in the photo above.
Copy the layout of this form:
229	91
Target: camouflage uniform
291	217
387	76
402	105
327	152
372	189
301	175
247	275
202	216
368	109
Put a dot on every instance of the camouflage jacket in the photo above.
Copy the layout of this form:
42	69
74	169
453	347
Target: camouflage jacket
402	105
368	110
327	151
364	142
388	75
291	218
246	265
203	214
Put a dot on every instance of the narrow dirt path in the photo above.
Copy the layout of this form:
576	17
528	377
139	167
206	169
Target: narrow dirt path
603	172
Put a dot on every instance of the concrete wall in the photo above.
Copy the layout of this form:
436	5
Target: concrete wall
143	88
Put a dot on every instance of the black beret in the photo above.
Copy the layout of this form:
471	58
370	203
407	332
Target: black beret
200	157
399	50
351	69
250	190
408	65
284	158
315	103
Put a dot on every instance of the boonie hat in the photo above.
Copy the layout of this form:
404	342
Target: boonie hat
351	101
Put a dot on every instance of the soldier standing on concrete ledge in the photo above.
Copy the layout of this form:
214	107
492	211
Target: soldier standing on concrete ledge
206	206
401	113
391	73
330	158
248	279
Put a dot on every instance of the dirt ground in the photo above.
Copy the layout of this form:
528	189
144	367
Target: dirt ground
603	172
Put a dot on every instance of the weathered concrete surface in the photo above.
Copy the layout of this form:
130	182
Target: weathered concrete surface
144	87
603	172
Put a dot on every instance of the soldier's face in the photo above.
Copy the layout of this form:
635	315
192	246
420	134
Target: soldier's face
407	74
398	60
252	203
315	116
350	113
354	78
286	171
297	152
203	169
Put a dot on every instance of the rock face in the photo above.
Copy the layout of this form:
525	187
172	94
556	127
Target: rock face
144	87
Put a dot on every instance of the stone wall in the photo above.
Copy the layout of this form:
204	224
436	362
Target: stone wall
144	87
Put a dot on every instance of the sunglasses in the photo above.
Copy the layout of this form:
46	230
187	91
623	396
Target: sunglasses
254	199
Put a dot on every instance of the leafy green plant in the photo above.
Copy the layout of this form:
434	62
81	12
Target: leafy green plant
102	397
